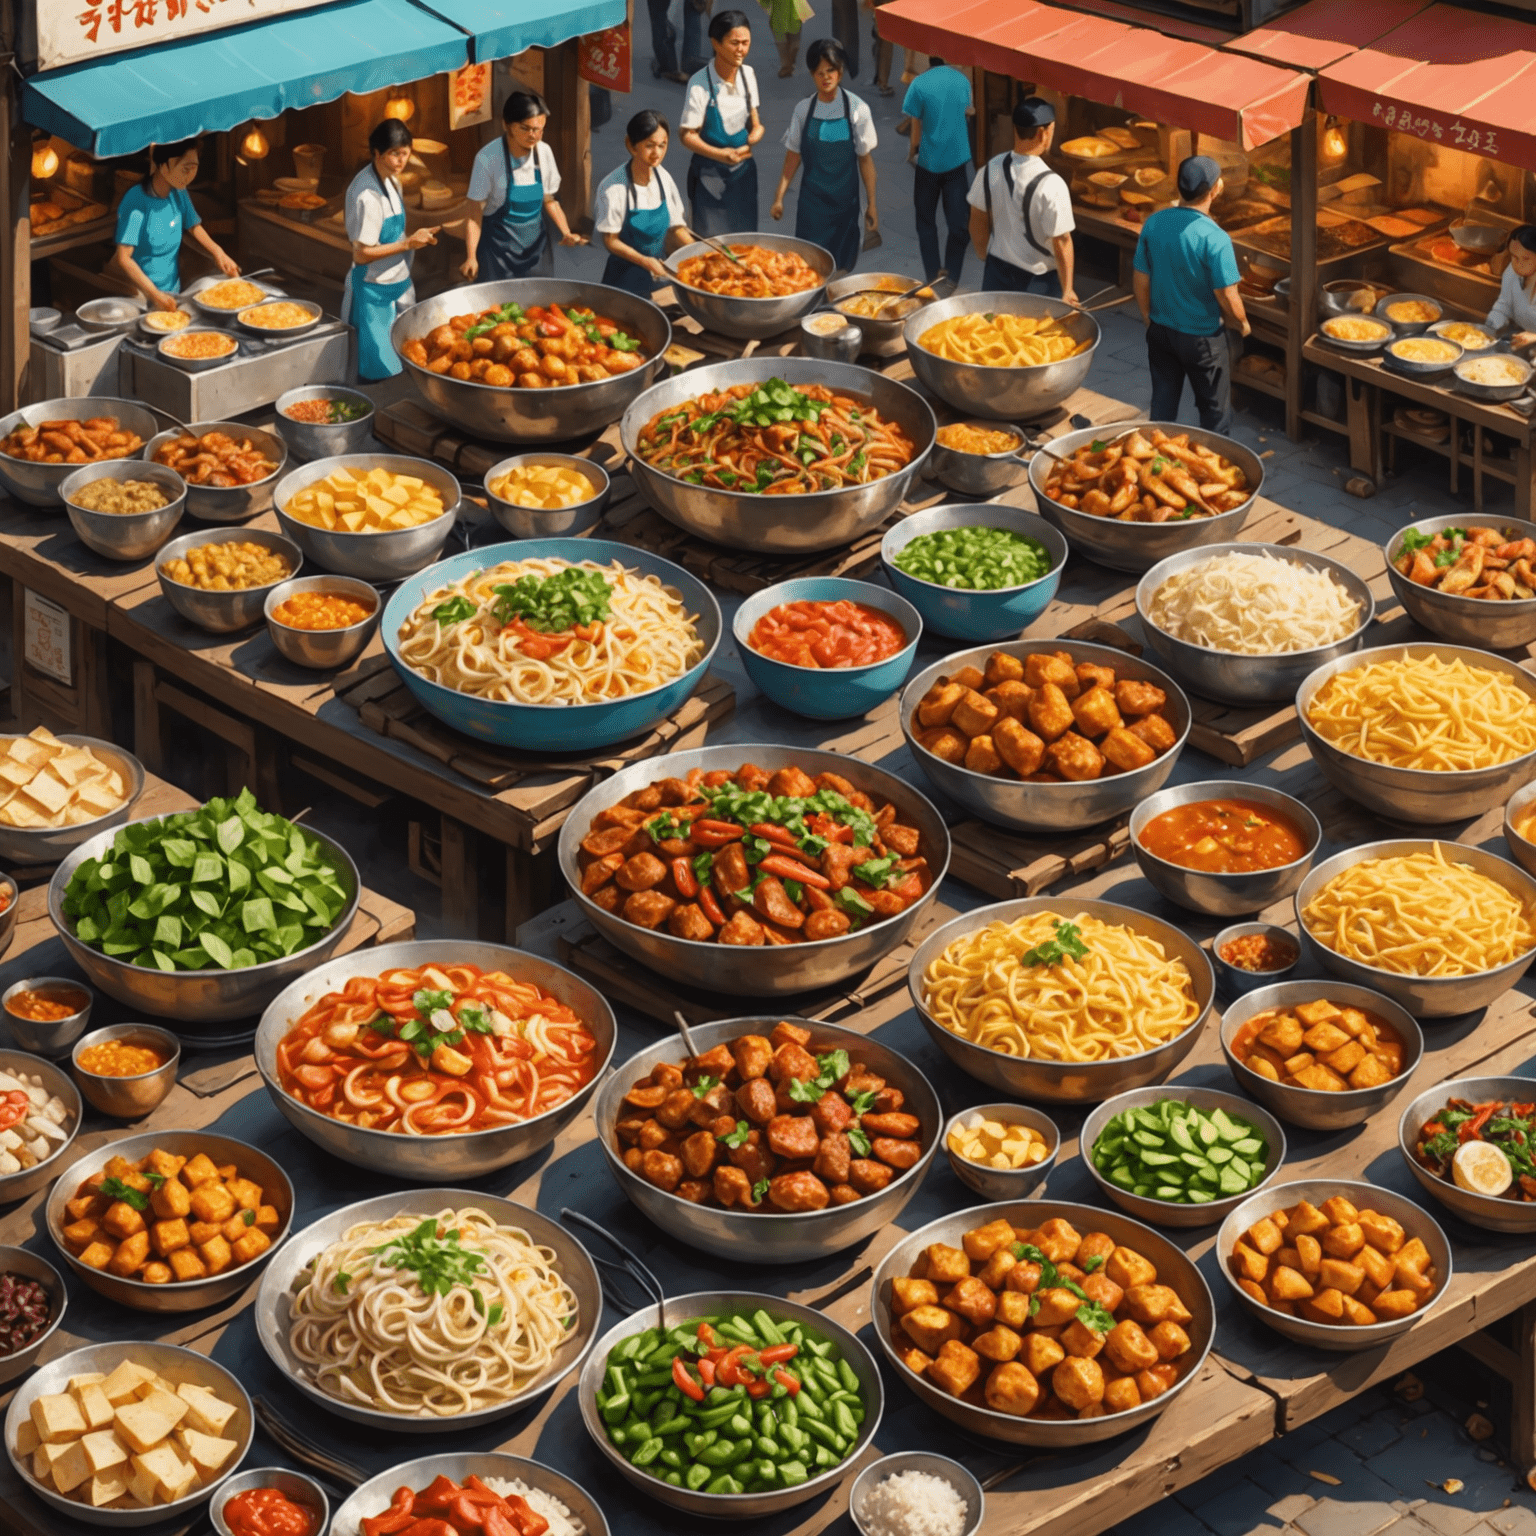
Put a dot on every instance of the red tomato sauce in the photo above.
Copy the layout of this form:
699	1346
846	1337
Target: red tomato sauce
268	1512
838	634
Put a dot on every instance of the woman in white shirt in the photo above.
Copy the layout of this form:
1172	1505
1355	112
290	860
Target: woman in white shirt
640	210
720	125
379	285
1516	303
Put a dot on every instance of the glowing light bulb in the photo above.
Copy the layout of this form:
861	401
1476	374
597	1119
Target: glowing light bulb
254	145
400	106
1335	145
45	161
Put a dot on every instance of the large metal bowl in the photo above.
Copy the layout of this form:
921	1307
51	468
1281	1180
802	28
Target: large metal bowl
534	415
1426	997
21	1261
1308	1107
1491	1212
26	846
1345	1338
758	1237
124	535
1047	807
882	337
202	997
224	317
1490	624
1173	1268
1137	547
177	1365
779	525
1491	392
732	1506
431	1158
39	485
1409	367
386	556
1227	676
751	319
769	971
222	613
22	1064
1408	327
227	503
1224	895
1056	1082
323	439
284	1276
1000	394
175	1295
1415	795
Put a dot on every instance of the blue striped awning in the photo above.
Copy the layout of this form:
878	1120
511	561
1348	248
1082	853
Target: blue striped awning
499	28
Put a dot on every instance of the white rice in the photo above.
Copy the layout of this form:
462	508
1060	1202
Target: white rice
914	1504
561	1521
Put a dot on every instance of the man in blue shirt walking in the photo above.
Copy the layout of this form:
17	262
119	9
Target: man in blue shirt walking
939	104
1186	285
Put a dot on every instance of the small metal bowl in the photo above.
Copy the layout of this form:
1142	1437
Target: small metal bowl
1333	298
125	535
21	1261
158	332
1409	327
12	894
1521	849
1395	360
47	845
1310	1107
961	1479
198	364
44	319
109	313
251	328
830	336
1476	621
222	613
560	522
55	1081
1473	235
1492	392
227	503
883	336
323	439
1170	1213
48	1037
1004	1183
321	648
1224	895
1363	347
129	1098
1233	979
1494	343
980	474
301	1489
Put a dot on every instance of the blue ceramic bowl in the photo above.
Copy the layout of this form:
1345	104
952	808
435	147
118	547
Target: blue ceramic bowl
967	615
827	693
552	727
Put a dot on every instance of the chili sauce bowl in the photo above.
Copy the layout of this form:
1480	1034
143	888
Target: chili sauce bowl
49	1037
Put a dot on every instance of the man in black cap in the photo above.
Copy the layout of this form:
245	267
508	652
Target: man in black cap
1186	284
1021	212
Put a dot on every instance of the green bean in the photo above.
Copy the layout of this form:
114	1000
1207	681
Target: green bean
975	559
675	1478
725	1483
847	1376
739	1424
696	1476
723	1452
673	1426
843	1420
765	1327
793	1472
656	1377
647	1453
671	1457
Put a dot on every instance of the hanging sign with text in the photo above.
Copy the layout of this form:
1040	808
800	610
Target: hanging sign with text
69	31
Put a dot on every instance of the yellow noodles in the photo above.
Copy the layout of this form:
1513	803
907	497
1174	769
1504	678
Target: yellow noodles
1420	915
1422	712
1123	997
1002	341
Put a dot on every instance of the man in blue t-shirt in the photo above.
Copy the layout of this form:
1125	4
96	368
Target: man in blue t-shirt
1186	284
939	104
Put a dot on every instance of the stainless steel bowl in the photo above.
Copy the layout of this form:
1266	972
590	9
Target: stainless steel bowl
322	648
1492	392
47	845
1174	1268
432	1158
176	1365
839	343
980	474
55	1081
1494	344
748	319
1521	849
534	415
732	1506
1138	547
129	1098
109	313
284	1275
124	535
387	556
1047	807
48	1037
1333	298
1476	236
1224	895
174	1295
279	332
1426	997
1227	676
11	893
155	332
20	1261
536	523
1308	1107
1058	1082
1004	1183
222	613
39	485
881	337
198	364
43	318
758	1237
1415	795
779	525
1001	394
1233	980
1414	368
1408	327
1495	625
961	1479
211	315
227	503
204	997
323	439
301	1489
1491	1212
770	971
1365	347
1346	1338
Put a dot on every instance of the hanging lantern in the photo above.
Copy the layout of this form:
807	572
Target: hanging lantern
401	107
1335	145
45	161
254	145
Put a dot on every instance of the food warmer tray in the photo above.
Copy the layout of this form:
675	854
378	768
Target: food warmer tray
1330	264
1414	270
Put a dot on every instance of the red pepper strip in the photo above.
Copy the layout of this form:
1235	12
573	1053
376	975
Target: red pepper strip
776	1354
788	1382
438	1494
1522	1111
1434	1128
715	834
392	1520
706	1336
707	1371
909	889
728	1372
683	879
1469	1128
775	834
789	869
710	907
684	1382
758	1389
465	1515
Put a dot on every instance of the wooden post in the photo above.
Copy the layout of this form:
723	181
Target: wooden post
1301	312
570	125
15	246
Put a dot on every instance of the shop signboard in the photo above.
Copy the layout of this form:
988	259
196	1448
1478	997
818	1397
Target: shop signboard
603	58
70	31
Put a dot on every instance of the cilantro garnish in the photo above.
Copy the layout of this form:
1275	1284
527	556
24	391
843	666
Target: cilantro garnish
834	1066
858	1139
736	1138
554	604
704	1084
454	611
115	1189
1068	941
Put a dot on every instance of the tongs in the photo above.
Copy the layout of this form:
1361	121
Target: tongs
628	1269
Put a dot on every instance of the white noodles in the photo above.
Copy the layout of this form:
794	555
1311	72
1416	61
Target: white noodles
1254	605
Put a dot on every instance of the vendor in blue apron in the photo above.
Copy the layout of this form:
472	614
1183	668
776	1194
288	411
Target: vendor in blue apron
720	125
833	134
640	210
378	286
512	188
151	220
1021	212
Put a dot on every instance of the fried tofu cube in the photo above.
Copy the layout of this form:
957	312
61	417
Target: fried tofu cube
1382	1232
1283	1034
246	1193
1376	1266
143	1425
57	1417
907	1293
946	1265
213	1202
1329	1303
207	1412
1248	1263
107	1487
1058	1306
1078	1383
201	1231
956	1368
199	1170
88	1203
168	1236
1372	1072
915	1360
122	1220
103	1450
1299	1062
216	1254
1346	1058
44	1457
79	1235
1265	1236
998	1343
1013	1309
1394	1304
173	1477
1343	1242
930	1328
72	1468
1041	1353
166	1164
93	1404
1120	1395
1126	750
1319	1078
1355	1023
1077	1338
1129	1348
972	1300
143	1486
981	1243
1156	1304
186	1264
1096	712
1305	1218
131	1254
98	1255
171	1200
1358	1313
1058	1240
1012	1388
1288	1284
1341	1275
995	1272
27	1438
123	1385
1126	1268
1170	1341
252	1245
1315	1012
1339	1211
206	1452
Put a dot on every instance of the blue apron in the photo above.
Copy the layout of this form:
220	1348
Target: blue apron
643	230
513	239
372	307
1000	276
828	211
723	197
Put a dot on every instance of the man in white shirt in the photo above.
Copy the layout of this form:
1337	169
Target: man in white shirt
1021	212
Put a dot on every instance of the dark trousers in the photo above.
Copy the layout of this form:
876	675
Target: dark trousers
696	50
845	28
1206	361
929	189
999	276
